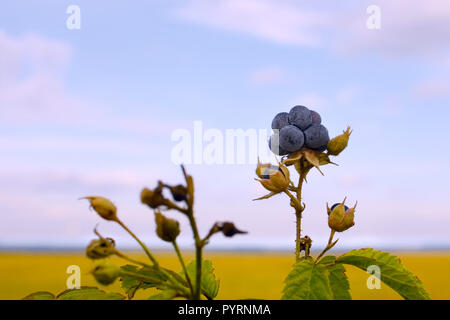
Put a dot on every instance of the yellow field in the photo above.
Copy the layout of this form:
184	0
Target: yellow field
242	275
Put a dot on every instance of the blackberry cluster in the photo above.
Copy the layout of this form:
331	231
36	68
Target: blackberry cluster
299	128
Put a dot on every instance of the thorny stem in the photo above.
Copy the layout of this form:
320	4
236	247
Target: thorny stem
298	216
329	245
180	257
298	213
297	204
199	244
198	254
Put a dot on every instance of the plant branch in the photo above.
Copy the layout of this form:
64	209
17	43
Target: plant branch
329	245
298	212
147	251
144	247
198	254
294	200
199	244
161	284
125	257
180	257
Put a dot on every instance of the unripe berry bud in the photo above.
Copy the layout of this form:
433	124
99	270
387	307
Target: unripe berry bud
106	273
339	143
341	218
152	198
166	229
104	207
273	178
101	248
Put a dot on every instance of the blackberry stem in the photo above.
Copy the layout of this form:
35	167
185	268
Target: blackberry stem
298	213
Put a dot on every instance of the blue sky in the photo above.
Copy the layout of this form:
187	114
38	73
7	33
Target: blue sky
91	111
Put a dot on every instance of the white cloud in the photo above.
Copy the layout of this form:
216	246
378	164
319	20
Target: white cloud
433	88
40	55
62	180
277	21
267	76
413	27
408	28
33	90
311	100
31	85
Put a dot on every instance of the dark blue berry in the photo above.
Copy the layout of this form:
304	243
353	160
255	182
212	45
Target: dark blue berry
300	117
316	119
281	120
269	171
291	138
274	145
316	136
336	204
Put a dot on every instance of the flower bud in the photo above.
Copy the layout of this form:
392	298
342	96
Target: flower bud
229	229
338	144
167	229
101	248
152	198
106	273
179	192
273	178
104	207
340	217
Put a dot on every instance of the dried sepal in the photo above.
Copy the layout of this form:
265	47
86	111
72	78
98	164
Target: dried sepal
338	144
313	158
293	158
324	159
189	187
267	196
153	198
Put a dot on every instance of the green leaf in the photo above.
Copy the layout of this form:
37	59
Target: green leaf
209	283
130	284
393	273
307	281
339	284
164	295
40	295
88	293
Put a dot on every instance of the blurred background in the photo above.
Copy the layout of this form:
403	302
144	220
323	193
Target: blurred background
90	109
